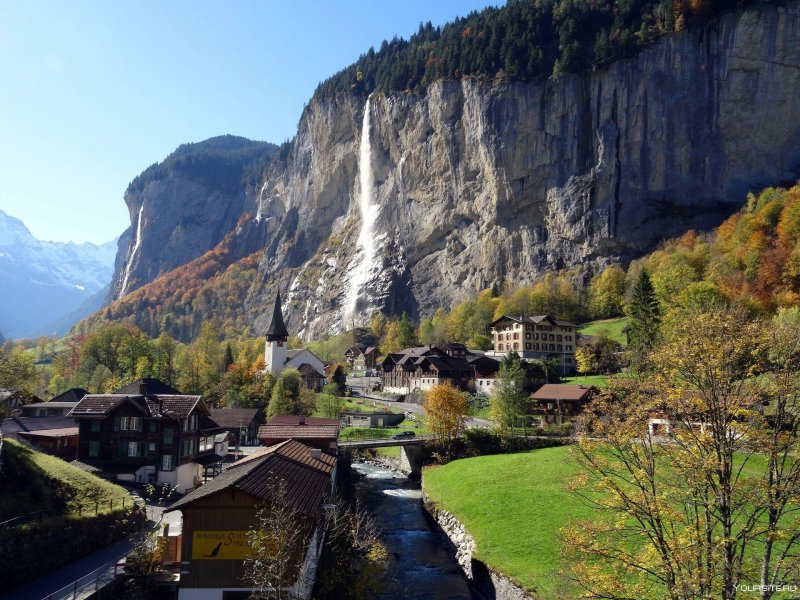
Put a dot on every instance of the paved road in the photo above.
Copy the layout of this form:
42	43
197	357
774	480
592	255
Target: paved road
55	580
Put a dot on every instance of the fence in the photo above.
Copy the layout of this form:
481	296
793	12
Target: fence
22	519
88	584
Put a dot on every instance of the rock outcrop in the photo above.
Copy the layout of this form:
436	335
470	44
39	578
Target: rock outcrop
185	206
478	182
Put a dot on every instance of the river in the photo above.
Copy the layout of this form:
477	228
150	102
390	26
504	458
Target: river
419	567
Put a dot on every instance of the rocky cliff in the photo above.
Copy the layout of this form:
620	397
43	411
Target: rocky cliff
185	205
477	182
429	197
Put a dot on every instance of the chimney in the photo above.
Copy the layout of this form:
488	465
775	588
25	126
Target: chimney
315	453
142	388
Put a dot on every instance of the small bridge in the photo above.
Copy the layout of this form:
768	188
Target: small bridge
385	442
410	450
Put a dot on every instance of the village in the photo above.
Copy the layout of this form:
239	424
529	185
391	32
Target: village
221	464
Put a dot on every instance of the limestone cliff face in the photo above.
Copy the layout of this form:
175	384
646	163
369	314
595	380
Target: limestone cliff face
185	206
480	182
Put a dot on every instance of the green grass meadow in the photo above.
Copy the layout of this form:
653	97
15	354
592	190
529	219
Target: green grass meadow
612	327
514	506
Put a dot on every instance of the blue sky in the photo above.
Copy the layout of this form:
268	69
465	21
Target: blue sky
92	92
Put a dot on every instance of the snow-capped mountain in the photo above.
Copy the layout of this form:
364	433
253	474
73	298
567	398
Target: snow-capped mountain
43	282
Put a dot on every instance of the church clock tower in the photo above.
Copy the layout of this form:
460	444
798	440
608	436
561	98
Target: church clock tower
277	338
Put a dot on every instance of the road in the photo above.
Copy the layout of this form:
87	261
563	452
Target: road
52	582
416	408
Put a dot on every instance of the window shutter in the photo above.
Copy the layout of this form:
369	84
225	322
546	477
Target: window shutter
116	423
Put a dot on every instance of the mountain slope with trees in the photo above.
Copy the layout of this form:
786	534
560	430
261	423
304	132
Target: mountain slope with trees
523	40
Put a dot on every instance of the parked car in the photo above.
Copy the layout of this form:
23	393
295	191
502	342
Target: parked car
403	435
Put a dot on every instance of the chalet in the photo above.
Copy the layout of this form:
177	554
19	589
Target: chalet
242	423
57	407
55	435
12	401
217	516
278	357
146	432
424	367
536	338
361	358
557	403
314	431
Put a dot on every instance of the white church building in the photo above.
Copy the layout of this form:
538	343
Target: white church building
278	357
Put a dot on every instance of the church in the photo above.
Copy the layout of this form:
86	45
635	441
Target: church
278	357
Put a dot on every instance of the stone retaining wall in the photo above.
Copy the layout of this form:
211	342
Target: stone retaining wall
462	546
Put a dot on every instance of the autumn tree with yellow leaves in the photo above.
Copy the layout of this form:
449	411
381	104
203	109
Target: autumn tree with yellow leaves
709	503
446	409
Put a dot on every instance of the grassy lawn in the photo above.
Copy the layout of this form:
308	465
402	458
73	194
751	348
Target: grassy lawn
35	481
355	433
612	327
514	506
600	381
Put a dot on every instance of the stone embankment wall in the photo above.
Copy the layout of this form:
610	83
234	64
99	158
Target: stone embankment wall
462	546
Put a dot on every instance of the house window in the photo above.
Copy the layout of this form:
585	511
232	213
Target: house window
168	435
124	423
516	336
136	423
500	346
516	345
559	348
96	425
94	448
527	336
549	406
133	449
527	346
151	447
152	426
167	462
558	338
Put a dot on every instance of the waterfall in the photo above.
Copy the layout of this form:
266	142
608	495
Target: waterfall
137	241
369	213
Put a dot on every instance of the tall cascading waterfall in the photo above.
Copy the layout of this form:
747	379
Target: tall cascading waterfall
136	243
369	213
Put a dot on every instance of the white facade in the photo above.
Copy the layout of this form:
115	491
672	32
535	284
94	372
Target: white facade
305	357
275	357
182	477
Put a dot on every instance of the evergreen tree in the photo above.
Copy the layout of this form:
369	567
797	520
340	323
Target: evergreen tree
645	317
509	400
227	361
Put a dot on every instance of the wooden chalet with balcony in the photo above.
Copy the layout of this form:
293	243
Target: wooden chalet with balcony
424	367
146	432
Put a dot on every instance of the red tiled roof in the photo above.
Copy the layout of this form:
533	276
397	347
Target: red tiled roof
298	420
298	432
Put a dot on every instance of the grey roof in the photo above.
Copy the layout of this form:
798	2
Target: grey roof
169	406
277	328
52	404
231	417
154	386
71	395
535	319
10	427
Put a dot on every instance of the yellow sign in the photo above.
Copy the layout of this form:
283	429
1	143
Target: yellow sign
219	545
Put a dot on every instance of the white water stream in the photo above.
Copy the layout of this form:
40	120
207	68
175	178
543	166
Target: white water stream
136	243
368	211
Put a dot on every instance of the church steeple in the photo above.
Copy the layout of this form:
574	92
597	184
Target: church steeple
276	332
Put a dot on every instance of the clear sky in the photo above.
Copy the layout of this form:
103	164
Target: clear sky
93	92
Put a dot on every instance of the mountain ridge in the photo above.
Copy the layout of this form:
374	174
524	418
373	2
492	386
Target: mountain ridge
480	182
46	281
